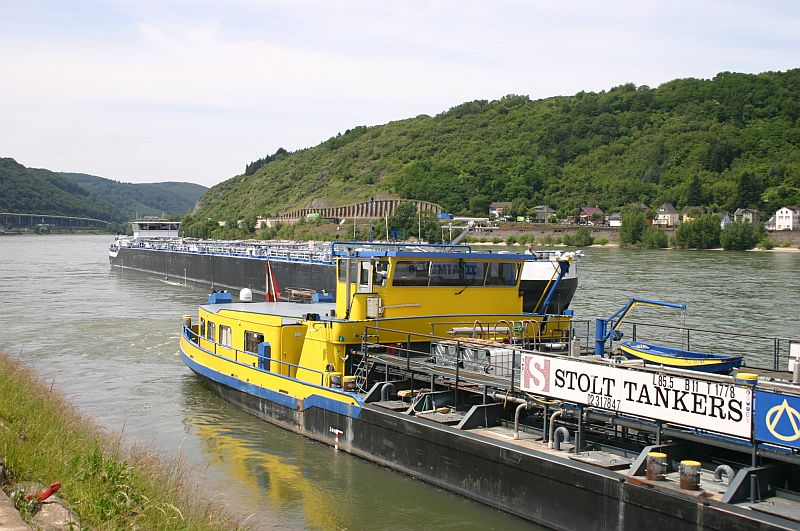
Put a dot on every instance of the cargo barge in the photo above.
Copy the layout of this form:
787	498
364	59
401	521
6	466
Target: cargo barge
427	364
290	270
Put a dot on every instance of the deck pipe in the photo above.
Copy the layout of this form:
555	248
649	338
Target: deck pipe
553	418
519	409
385	391
560	433
723	470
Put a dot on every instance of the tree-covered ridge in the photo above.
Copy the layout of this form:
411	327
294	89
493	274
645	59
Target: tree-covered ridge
726	142
40	191
143	199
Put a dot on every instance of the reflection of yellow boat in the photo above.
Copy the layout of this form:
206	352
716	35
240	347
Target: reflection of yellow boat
279	478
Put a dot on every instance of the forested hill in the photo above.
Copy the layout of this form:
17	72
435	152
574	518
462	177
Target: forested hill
38	191
726	142
143	199
42	191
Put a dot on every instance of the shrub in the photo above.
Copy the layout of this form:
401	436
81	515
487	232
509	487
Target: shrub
700	233
581	238
601	241
632	228
497	239
654	238
511	240
766	243
739	236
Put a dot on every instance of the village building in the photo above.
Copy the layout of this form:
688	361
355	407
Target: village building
788	218
746	215
724	220
615	219
667	216
543	212
592	216
498	208
688	213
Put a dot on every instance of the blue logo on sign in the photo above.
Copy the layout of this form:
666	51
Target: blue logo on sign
778	419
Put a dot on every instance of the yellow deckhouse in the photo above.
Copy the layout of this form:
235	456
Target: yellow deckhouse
292	351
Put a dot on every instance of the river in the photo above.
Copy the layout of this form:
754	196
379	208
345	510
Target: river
109	340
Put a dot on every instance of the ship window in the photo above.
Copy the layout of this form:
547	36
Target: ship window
343	270
211	330
251	341
457	273
202	327
225	335
411	273
502	274
380	273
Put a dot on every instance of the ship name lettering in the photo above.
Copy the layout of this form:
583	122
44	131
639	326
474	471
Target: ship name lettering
584	382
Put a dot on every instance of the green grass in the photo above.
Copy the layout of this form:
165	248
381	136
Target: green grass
43	439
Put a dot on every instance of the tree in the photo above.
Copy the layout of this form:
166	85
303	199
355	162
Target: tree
695	195
748	190
739	236
654	238
700	233
405	219
632	227
581	238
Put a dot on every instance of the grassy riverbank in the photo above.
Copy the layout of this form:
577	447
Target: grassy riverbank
43	439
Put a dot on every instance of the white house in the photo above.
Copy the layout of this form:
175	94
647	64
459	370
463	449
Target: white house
615	219
725	220
666	216
788	218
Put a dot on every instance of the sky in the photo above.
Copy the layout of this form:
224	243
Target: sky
149	91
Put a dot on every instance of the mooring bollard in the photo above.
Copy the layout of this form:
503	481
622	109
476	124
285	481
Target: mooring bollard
656	466
690	475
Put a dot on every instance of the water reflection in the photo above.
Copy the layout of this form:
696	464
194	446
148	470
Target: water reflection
291	481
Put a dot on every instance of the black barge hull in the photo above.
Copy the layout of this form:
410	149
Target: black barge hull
552	491
236	272
228	272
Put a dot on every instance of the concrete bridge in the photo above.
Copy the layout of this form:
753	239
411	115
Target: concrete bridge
377	208
18	219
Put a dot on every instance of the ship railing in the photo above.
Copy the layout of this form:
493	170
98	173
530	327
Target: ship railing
236	248
458	357
239	356
759	351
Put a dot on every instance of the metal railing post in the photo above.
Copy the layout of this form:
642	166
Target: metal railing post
408	352
458	364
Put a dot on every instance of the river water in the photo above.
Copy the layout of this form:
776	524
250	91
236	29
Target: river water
109	340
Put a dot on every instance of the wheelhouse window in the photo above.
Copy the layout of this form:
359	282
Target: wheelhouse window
225	335
211	331
202	327
343	264
411	273
251	341
502	274
457	273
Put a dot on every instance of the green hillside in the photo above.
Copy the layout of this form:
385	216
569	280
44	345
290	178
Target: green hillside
726	142
143	199
39	191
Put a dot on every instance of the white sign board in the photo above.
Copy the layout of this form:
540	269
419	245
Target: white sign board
696	403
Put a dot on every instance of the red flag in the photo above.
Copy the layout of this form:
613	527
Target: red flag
273	294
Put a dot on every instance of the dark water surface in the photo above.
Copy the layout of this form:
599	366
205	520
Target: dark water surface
109	340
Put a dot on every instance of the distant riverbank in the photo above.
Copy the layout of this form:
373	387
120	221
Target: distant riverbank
46	440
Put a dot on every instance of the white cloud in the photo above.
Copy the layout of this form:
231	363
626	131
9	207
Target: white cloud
146	90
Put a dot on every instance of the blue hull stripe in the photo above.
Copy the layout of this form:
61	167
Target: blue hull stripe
313	401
